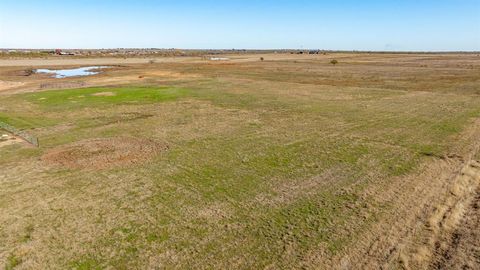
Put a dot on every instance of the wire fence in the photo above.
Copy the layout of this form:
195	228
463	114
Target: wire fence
20	133
63	85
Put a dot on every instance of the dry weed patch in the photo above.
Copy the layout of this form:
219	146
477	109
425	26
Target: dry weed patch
104	153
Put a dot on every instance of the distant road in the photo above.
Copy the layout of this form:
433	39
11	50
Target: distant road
88	61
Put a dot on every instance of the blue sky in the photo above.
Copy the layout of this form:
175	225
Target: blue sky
405	25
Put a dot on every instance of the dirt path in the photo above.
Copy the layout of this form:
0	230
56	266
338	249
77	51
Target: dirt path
426	211
7	85
86	61
461	250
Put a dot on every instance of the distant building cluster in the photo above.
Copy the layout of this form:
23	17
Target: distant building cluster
127	52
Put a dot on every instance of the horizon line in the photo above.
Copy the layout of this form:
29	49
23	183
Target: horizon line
248	49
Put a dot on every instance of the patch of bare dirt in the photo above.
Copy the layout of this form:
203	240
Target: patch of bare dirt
5	85
104	94
171	74
8	139
104	153
89	61
21	73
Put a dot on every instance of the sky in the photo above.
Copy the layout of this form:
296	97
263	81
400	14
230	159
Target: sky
377	25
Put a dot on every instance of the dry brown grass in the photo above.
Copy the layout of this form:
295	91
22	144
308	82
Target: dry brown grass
283	163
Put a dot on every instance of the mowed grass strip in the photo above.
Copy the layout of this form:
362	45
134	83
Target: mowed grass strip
25	121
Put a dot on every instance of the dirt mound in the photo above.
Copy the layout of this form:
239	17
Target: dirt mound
23	72
104	153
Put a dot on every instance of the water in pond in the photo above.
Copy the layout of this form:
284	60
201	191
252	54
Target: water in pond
65	73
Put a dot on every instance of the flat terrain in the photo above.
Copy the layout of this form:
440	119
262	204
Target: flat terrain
290	162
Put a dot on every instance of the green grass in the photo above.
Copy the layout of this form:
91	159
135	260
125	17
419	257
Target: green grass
23	121
86	97
12	262
85	264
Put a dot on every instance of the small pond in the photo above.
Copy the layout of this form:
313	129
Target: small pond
74	72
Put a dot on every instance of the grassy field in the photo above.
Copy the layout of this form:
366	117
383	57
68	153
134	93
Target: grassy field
274	164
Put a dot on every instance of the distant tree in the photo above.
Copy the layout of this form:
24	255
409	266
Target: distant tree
334	62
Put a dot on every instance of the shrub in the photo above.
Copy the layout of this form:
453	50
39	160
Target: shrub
334	62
